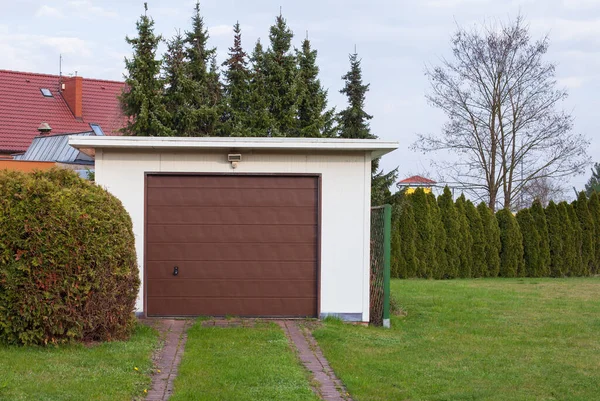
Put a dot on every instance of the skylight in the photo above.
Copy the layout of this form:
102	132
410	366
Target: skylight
97	129
46	92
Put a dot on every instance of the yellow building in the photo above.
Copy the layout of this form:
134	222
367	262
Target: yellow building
414	182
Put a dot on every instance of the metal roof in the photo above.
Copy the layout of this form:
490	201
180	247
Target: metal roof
55	148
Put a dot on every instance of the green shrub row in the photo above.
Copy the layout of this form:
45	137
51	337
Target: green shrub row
443	239
68	269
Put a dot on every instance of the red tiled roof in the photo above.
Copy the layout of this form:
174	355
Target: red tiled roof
417	179
23	108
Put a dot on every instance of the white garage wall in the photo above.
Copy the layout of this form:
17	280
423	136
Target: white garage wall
345	223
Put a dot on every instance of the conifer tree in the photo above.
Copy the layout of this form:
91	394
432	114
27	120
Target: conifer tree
492	240
539	218
425	239
593	184
313	117
465	239
587	233
555	237
203	72
281	79
450	222
594	208
406	257
354	120
531	243
179	89
511	252
237	87
479	268
568	240
260	122
577	238
440	265
142	101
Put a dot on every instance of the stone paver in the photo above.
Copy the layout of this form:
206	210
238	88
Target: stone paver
330	388
168	359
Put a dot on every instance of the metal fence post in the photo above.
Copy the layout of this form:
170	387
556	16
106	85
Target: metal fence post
387	247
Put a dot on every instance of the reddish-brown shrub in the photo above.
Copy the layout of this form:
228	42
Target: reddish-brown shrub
68	269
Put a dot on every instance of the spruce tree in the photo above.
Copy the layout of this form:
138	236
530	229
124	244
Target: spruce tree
594	208
539	218
587	233
260	122
406	257
425	238
491	233
179	89
577	236
202	71
511	252
142	101
555	240
236	87
354	120
477	234
450	222
440	264
313	118
593	184
281	79
465	240
531	243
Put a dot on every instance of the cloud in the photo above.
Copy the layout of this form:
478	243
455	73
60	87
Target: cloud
565	30
571	82
87	10
452	3
580	4
220	30
47	11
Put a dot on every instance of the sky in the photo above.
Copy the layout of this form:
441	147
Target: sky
395	39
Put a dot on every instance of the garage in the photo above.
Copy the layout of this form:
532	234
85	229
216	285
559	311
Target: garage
261	227
231	245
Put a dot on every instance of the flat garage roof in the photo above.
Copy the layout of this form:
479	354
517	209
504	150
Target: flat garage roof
375	146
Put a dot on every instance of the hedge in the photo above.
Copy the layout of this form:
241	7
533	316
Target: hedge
445	239
68	269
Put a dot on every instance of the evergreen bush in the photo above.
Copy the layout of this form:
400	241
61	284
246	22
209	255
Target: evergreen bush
425	238
531	243
465	239
440	265
68	269
477	233
594	208
588	232
577	238
511	252
491	233
555	240
449	218
568	239
407	234
539	218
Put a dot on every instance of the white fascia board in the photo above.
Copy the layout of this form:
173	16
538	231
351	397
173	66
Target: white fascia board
375	146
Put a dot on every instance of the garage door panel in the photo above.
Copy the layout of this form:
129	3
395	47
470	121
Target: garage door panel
292	197
233	270
227	234
193	181
231	216
243	245
210	288
239	251
266	307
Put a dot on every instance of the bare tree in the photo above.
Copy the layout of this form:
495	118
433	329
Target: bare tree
504	124
543	188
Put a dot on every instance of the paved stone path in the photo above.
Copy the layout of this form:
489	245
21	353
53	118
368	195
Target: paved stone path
329	388
169	357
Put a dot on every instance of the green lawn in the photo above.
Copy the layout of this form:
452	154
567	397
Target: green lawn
76	372
493	339
240	364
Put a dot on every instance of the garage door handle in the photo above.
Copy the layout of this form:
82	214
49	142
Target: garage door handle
175	270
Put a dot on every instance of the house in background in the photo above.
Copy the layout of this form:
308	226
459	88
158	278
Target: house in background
410	184
67	104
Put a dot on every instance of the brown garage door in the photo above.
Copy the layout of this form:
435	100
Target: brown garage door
239	245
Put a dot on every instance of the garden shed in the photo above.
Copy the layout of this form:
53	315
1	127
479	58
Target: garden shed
270	227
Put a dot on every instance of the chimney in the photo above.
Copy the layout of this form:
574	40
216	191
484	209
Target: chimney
44	129
72	93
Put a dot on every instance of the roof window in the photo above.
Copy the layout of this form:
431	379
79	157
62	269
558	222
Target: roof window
46	92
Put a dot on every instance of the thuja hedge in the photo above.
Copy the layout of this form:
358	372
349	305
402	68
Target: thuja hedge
68	268
446	239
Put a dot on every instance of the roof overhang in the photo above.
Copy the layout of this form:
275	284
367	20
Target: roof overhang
376	147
